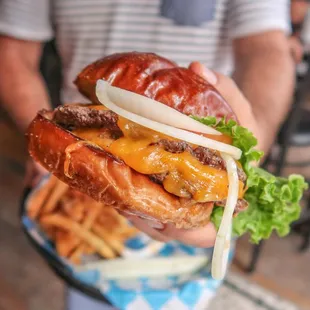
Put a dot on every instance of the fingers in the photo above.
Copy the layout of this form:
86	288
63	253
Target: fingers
224	84
231	93
296	49
147	227
204	72
201	237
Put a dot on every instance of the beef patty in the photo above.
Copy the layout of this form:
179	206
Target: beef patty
204	155
75	116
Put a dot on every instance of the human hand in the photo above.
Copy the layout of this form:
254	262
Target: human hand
205	236
235	98
296	49
34	172
298	11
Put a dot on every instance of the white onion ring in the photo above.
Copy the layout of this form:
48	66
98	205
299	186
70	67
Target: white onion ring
154	110
222	242
103	97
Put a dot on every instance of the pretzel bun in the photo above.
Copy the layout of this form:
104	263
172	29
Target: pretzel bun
85	166
155	77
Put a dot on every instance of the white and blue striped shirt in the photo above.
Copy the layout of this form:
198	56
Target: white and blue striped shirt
182	30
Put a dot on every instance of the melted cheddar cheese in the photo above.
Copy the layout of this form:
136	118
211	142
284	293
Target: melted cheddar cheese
185	175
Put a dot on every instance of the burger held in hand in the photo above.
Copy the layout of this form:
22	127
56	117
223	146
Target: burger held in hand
160	142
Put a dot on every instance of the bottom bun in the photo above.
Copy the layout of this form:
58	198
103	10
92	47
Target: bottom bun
103	177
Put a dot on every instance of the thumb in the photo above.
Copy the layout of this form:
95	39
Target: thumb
229	91
224	84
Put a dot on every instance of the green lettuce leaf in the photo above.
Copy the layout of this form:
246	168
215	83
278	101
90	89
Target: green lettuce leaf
274	202
242	138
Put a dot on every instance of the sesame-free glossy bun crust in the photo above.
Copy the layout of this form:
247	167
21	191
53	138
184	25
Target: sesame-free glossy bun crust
155	77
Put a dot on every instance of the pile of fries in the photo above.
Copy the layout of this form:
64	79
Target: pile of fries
77	224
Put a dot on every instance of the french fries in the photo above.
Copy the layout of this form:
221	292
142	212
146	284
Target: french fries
65	241
38	200
78	225
57	192
82	233
75	257
113	241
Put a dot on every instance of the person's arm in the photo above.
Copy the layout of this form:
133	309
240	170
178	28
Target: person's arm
299	10
24	25
298	13
264	71
22	89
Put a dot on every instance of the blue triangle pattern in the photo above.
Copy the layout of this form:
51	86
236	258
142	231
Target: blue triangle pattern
187	249
157	299
135	243
144	282
190	293
120	298
167	250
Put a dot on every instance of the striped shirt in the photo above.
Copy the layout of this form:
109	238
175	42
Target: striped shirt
182	30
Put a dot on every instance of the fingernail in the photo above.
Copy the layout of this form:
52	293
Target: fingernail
210	76
154	224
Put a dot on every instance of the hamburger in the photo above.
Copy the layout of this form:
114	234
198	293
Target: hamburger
158	141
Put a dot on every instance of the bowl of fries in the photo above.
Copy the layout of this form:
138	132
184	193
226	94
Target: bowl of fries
89	244
69	228
77	225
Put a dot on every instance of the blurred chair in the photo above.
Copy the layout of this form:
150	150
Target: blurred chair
51	70
295	132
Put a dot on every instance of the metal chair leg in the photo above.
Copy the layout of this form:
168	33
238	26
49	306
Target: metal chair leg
306	241
255	256
305	245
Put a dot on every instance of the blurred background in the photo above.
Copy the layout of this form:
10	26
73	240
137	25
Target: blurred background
275	269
